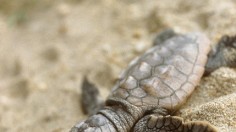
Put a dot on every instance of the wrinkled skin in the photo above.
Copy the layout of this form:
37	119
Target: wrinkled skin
156	84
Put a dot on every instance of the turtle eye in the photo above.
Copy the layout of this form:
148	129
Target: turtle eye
224	41
234	44
229	41
225	38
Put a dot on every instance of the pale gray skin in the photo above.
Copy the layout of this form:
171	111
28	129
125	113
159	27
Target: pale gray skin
154	86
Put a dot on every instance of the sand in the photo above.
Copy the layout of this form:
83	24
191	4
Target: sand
43	60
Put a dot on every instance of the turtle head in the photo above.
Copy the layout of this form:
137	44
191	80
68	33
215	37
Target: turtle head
228	48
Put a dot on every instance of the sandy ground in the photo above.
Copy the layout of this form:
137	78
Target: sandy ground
43	61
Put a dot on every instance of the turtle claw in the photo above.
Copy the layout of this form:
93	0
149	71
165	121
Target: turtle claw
90	99
155	123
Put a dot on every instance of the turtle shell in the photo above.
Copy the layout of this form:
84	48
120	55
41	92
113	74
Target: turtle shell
166	74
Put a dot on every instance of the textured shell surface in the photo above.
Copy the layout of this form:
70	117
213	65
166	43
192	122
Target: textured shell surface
166	74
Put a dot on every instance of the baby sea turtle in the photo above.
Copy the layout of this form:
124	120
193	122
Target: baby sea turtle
156	84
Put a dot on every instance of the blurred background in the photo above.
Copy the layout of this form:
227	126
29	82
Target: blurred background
46	47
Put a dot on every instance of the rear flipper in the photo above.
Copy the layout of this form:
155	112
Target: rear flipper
91	100
223	54
163	36
154	123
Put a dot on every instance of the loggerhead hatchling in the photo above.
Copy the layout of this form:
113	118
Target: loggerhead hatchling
156	84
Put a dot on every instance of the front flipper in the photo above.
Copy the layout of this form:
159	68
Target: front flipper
95	123
154	123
